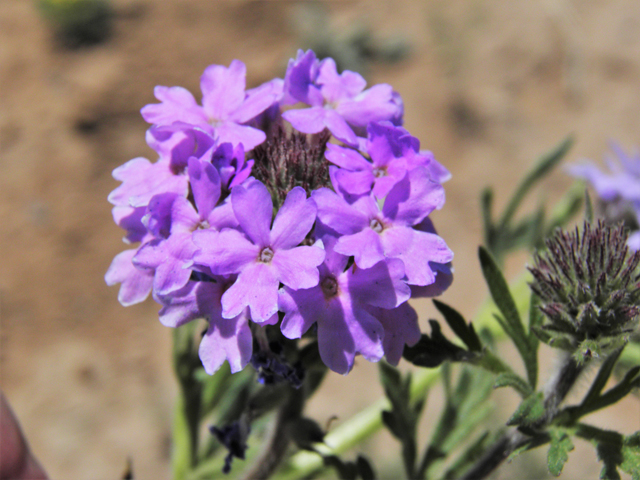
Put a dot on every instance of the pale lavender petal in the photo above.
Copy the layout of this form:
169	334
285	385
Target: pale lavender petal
364	246
337	214
307	120
169	258
257	288
177	105
135	282
300	77
225	252
354	183
130	219
339	128
226	339
634	241
396	240
194	300
223	89
205	185
231	132
298	267
413	198
222	216
383	185
444	279
294	220
334	262
337	87
437	171
345	332
400	328
253	208
302	308
380	285
426	248
373	105
346	158
257	100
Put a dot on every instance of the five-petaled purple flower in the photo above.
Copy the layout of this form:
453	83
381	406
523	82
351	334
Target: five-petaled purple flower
335	264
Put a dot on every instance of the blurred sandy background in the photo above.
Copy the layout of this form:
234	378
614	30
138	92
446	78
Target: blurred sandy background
488	86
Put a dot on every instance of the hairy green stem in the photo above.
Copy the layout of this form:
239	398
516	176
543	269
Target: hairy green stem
555	391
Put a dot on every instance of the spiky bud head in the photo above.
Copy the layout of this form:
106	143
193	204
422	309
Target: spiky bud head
589	288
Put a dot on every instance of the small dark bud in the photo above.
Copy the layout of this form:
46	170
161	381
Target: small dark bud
234	438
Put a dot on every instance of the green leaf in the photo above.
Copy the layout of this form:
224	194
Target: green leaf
559	450
530	411
546	163
403	417
535	320
601	379
305	432
456	321
511	323
509	379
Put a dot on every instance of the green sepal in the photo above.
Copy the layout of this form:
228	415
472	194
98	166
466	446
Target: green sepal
559	449
530	411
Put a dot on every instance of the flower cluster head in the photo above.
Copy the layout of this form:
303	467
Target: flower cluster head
302	204
618	189
589	286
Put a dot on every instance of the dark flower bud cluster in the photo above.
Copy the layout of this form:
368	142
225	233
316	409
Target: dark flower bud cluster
273	367
589	286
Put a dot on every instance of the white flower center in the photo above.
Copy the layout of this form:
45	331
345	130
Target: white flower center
266	255
376	225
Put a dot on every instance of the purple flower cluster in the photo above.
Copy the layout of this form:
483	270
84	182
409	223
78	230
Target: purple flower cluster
619	187
249	217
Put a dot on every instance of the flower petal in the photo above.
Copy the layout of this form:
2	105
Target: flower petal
298	267
223	89
294	220
226	339
257	288
253	208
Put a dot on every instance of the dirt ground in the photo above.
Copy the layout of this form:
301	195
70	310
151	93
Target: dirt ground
488	86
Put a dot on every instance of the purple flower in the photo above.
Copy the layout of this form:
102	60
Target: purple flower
393	152
371	234
226	339
338	102
621	181
261	255
226	107
172	219
619	187
338	305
